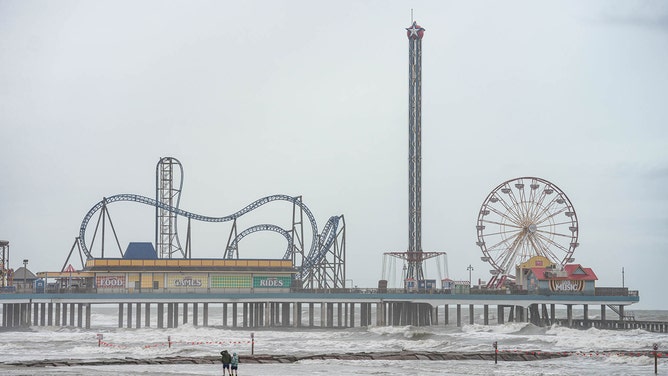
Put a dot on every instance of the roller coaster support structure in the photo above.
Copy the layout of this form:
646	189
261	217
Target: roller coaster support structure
168	193
4	262
330	271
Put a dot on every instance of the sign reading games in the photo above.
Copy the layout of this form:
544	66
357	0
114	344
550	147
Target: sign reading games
271	282
187	282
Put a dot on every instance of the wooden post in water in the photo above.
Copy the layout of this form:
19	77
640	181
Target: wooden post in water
147	315
170	315
656	362
459	315
49	318
72	305
120	314
175	316
79	315
35	312
63	319
496	352
297	315
161	315
311	309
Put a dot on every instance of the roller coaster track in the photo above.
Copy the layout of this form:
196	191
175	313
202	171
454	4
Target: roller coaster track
325	241
256	228
328	235
319	245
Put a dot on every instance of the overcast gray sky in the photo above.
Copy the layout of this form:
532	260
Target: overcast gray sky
310	98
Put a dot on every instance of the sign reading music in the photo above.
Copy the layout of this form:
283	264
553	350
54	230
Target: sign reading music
566	285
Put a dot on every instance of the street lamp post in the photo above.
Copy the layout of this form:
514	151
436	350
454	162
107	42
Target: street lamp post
25	272
405	276
470	269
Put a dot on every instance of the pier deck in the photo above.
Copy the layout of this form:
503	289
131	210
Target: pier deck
308	309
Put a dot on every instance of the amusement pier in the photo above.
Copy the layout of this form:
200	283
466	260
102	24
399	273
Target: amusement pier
527	231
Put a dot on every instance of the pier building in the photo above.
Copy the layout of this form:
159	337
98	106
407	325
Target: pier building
195	275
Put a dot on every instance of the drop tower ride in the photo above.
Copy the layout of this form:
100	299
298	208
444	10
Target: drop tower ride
413	273
414	256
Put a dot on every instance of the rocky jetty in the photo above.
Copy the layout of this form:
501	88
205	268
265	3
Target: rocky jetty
270	358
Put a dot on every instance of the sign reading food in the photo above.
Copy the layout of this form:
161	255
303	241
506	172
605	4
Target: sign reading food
110	282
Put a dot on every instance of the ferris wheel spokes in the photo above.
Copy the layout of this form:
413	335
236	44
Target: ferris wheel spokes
511	255
503	224
552	215
553	224
540	206
514	208
508	220
552	242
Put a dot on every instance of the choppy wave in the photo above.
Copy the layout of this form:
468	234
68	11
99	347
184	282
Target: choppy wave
189	340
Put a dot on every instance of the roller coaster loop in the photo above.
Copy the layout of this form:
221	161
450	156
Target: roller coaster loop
261	227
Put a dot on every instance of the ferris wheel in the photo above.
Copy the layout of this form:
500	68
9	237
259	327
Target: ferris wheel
522	218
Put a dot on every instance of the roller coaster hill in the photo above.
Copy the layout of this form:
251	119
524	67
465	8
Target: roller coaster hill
315	263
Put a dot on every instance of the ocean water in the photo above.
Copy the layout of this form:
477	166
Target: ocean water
37	343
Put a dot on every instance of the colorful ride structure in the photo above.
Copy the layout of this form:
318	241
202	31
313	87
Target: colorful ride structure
522	218
319	265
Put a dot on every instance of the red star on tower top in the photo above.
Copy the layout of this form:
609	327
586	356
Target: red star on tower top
415	31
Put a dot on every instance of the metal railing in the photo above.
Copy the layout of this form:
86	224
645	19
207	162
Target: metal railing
221	290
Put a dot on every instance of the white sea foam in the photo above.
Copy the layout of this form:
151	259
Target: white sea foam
501	329
57	343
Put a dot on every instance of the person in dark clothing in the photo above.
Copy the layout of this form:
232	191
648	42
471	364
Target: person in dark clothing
226	359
